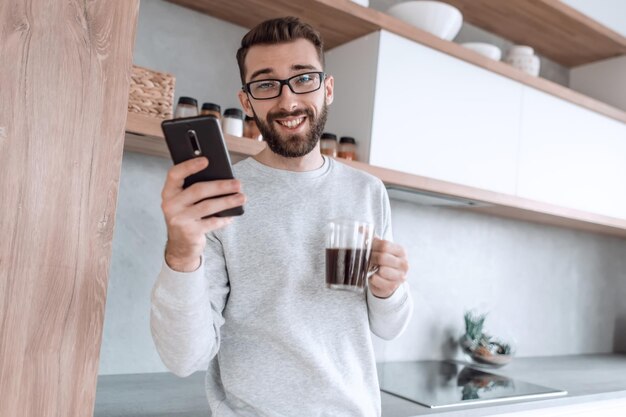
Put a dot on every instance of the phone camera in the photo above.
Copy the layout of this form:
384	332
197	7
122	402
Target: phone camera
195	144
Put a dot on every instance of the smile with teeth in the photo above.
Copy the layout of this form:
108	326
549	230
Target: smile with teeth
291	123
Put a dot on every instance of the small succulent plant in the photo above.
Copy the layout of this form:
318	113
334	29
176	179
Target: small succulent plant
480	345
474	326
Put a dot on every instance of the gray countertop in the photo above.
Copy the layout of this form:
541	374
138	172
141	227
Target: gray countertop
585	377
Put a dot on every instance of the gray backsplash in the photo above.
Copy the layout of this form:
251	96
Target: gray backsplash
555	291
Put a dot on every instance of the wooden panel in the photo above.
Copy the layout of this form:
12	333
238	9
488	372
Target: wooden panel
498	204
553	28
341	21
64	77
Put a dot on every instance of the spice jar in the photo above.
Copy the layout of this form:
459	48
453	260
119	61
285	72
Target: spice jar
211	109
232	122
186	107
250	129
328	144
347	148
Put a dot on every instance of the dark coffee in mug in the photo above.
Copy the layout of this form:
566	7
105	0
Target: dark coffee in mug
348	250
346	268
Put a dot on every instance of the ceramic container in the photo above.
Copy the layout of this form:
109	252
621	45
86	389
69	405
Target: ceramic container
436	17
523	57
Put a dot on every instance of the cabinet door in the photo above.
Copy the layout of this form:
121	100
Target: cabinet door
440	117
572	157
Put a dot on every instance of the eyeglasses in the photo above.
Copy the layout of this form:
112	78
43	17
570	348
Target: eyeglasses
298	84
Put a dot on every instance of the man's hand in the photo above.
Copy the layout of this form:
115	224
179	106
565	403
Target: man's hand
183	212
392	268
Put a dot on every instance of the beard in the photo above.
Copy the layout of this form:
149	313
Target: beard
293	146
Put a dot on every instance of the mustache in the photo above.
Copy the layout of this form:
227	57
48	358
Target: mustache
283	114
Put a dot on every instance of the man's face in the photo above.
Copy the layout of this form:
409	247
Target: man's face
291	124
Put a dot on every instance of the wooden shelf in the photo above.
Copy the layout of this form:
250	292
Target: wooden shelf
341	21
554	29
143	134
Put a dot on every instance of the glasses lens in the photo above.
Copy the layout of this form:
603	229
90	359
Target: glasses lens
265	89
305	83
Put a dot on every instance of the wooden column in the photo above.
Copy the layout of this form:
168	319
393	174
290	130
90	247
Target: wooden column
64	77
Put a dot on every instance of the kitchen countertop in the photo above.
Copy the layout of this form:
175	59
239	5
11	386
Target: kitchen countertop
586	378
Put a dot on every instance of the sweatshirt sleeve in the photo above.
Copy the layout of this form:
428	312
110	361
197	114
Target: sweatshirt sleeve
388	317
186	313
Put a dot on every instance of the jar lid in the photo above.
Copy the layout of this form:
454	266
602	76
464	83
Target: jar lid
211	106
188	100
521	50
329	136
347	139
237	113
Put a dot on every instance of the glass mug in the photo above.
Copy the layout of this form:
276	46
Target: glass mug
348	250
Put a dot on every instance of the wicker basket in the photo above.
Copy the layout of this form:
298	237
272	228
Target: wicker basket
151	93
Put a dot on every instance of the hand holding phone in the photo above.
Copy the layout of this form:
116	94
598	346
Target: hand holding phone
200	193
193	137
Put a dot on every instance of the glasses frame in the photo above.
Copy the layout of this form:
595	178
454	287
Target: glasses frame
246	86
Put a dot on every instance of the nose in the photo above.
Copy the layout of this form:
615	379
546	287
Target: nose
287	99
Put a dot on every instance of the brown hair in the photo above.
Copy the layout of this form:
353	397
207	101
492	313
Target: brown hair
280	30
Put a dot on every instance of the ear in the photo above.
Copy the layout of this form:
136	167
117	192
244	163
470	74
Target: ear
245	103
329	86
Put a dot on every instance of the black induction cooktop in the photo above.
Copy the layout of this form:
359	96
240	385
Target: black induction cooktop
439	384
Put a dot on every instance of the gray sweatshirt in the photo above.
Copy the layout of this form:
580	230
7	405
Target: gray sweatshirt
257	315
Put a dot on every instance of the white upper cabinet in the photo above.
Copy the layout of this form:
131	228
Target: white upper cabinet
430	114
443	118
420	111
572	157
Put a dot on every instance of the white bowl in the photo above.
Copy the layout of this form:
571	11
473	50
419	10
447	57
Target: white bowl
364	3
486	49
436	17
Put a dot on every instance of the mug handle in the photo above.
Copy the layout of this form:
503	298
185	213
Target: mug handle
374	268
372	271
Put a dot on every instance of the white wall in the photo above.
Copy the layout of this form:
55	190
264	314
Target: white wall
198	49
604	80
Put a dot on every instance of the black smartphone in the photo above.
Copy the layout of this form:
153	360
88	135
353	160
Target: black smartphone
192	137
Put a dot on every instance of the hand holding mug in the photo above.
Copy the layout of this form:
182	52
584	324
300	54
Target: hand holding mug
393	267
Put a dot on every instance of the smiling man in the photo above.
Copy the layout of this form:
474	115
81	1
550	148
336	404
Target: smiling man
246	299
